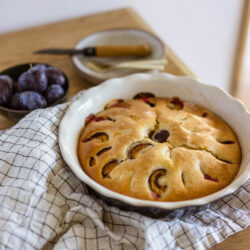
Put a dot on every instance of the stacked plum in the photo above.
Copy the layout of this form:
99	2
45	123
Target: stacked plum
38	87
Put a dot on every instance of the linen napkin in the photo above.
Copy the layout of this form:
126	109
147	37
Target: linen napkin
43	205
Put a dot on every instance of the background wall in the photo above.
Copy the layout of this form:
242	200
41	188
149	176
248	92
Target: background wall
203	33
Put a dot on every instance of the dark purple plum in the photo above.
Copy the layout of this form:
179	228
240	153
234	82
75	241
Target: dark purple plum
40	66
15	87
53	93
55	76
6	89
34	79
162	136
28	100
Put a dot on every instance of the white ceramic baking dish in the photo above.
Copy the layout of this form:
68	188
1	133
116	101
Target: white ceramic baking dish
162	85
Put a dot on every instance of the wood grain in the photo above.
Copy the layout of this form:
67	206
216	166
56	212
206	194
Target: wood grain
240	50
238	241
17	48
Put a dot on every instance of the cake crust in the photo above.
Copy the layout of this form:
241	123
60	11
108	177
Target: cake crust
162	149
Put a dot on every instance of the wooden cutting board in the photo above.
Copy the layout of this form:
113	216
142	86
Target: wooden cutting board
17	48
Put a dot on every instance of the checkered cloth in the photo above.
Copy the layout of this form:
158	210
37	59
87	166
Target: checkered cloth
43	205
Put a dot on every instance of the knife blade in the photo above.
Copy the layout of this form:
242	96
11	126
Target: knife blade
102	51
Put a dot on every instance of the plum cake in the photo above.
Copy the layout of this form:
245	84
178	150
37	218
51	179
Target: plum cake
161	149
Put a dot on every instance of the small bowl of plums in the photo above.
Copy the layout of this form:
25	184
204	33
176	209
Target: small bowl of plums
30	86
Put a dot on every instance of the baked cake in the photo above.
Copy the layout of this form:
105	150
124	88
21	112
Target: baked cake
162	149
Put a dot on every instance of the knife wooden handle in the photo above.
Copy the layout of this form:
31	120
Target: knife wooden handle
123	50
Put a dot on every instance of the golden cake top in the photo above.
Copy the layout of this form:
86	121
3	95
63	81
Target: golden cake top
162	149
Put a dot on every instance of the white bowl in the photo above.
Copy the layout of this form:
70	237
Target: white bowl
162	85
114	37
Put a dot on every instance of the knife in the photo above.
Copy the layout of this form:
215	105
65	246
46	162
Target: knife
102	51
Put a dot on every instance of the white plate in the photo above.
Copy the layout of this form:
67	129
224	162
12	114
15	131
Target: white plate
114	37
162	85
